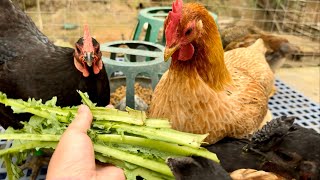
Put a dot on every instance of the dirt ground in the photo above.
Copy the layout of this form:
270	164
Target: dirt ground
108	21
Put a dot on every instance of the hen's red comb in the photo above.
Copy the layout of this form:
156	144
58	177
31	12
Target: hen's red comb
177	6
87	40
173	21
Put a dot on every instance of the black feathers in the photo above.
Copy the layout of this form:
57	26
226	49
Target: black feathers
32	66
272	133
280	146
194	168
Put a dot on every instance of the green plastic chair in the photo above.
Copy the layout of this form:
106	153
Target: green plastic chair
135	63
154	17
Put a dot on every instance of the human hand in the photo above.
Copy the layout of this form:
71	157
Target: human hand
74	155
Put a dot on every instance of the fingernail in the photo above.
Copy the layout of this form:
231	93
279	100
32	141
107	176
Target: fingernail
82	108
110	106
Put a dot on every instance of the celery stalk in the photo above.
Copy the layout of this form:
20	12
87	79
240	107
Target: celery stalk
85	99
168	135
28	146
138	141
158	123
152	138
7	161
36	111
134	159
101	114
159	145
131	170
31	137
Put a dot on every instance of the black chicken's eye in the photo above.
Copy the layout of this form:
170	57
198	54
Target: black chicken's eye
188	32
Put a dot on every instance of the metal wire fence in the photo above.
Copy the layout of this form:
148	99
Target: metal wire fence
62	20
296	20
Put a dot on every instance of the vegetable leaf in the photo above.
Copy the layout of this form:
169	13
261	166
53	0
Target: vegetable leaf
127	139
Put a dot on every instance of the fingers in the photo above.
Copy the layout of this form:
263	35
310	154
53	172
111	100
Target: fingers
82	121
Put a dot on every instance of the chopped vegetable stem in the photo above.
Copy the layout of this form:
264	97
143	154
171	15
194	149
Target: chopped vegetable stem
134	159
35	111
28	146
128	139
158	123
86	99
7	161
31	137
159	145
136	171
153	133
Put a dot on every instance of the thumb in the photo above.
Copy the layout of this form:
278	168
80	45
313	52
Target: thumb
74	154
82	121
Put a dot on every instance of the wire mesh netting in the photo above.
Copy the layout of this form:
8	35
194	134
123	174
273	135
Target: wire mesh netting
296	20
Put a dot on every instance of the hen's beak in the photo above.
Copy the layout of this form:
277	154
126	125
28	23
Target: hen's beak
88	56
168	52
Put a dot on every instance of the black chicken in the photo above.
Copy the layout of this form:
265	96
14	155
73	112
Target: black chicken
281	147
32	66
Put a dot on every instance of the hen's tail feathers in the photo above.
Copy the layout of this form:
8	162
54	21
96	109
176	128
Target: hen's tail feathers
259	45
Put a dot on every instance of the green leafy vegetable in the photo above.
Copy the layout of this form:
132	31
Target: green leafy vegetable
127	139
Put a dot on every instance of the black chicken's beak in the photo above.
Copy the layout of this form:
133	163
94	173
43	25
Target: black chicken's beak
168	52
88	57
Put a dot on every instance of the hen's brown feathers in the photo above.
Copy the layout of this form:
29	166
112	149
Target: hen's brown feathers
218	76
193	106
253	61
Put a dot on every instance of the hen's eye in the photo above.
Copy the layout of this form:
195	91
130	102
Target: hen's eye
188	32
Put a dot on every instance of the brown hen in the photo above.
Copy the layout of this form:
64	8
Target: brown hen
206	90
